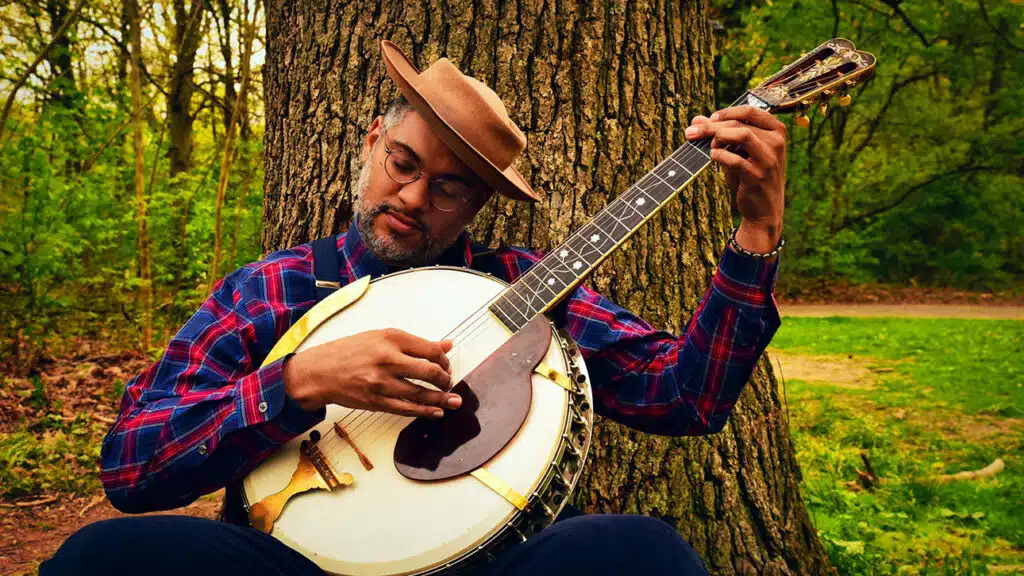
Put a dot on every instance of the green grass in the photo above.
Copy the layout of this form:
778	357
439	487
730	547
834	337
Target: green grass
57	460
949	397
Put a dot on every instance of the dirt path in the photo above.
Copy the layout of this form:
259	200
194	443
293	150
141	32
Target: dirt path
30	535
904	310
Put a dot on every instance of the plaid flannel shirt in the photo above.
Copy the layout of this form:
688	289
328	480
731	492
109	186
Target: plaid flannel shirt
205	414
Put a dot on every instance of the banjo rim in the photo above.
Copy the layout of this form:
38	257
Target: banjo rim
519	524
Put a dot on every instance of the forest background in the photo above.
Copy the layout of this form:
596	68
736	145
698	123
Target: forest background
117	213
131	179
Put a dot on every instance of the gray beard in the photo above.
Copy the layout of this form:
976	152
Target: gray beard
386	248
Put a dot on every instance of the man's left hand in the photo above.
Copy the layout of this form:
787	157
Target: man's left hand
750	144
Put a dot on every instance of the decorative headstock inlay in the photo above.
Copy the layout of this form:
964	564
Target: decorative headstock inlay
830	69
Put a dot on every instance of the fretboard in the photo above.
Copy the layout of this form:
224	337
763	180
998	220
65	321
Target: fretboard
548	281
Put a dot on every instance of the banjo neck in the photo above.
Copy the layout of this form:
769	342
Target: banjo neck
548	281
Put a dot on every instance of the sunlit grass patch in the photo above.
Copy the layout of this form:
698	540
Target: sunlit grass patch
55	461
945	396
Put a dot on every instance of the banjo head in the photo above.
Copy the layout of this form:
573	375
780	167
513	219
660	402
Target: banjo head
387	524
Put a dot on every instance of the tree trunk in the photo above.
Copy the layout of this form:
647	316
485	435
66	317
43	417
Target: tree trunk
188	28
228	151
222	17
602	92
62	88
145	274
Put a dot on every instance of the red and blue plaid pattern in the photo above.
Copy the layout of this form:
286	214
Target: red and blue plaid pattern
205	414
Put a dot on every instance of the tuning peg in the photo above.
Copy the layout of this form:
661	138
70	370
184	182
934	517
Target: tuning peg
801	118
822	107
844	100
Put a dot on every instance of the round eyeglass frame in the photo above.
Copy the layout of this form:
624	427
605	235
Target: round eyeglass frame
465	200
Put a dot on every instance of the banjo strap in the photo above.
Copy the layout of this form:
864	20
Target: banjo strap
326	267
327	272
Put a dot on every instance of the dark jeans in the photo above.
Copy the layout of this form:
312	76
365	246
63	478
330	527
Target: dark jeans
576	544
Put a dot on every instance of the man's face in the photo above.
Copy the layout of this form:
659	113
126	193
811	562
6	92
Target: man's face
398	222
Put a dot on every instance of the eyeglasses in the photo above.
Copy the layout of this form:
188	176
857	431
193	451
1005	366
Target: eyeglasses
445	195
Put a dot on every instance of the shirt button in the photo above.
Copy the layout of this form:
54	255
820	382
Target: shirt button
202	450
262	407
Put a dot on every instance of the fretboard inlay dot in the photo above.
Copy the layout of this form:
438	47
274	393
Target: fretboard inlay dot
551	281
577	265
595	238
640	201
563	253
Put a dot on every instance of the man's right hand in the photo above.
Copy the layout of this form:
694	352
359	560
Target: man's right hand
369	370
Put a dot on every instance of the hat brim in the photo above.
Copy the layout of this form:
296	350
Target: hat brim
508	182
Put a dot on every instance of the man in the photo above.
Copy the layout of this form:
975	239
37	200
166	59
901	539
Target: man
206	414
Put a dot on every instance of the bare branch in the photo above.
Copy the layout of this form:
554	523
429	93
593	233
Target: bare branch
890	99
25	75
998	32
897	11
854	220
124	48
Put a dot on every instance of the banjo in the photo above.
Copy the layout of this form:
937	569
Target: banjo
372	493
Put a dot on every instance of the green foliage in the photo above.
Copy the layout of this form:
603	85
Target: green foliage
69	254
62	459
919	180
937	406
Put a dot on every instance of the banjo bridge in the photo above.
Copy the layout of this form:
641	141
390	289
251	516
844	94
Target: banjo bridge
323	468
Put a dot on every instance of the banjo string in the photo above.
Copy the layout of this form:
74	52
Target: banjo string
465	333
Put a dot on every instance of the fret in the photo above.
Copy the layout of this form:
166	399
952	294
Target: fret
567	253
505	318
672	174
601	240
519	304
588	254
630	211
537	292
539	286
639	201
655	187
517	315
567	270
693	156
702	146
613	228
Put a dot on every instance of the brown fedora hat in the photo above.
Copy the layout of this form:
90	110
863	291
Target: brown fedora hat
468	117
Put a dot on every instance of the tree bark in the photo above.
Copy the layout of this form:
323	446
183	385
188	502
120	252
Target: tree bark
188	27
603	92
145	274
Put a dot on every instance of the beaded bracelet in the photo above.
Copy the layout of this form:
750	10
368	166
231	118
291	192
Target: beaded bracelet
736	246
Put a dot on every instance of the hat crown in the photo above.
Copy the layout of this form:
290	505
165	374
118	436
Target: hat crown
467	116
473	110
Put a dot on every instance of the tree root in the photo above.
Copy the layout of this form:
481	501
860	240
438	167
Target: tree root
987	472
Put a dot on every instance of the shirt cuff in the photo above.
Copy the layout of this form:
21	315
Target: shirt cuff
746	280
262	398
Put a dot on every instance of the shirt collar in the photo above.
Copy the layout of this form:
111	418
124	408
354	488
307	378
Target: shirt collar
359	261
